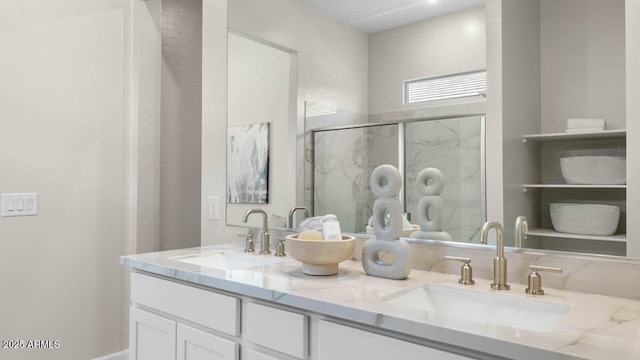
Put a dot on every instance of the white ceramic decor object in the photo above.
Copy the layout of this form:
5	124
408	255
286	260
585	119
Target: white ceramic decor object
586	219
320	257
430	182
594	170
386	183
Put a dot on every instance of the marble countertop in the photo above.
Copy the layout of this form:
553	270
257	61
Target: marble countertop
596	327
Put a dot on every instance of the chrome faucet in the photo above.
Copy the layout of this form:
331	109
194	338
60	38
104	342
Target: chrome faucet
522	226
500	262
265	228
292	211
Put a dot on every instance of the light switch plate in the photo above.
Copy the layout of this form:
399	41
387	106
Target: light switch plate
213	208
19	204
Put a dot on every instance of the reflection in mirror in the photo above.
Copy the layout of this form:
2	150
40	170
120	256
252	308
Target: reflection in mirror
260	90
344	158
569	62
343	162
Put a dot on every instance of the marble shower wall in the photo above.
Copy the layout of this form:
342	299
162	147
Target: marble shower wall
345	159
454	147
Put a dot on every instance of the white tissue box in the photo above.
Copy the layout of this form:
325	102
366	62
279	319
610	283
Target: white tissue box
575	123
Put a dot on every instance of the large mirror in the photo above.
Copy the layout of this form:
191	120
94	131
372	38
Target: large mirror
358	62
355	70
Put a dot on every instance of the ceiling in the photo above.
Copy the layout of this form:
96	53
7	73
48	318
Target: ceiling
372	16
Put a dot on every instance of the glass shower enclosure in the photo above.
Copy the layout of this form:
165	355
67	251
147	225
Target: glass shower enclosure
344	158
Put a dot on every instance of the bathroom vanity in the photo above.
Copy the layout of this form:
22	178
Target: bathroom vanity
220	303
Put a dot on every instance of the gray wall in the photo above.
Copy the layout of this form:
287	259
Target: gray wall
632	51
582	58
181	124
520	107
439	46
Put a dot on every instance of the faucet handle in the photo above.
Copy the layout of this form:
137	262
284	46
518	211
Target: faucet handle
466	272
280	248
535	280
249	242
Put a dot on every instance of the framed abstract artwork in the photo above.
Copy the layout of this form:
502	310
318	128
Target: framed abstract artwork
248	164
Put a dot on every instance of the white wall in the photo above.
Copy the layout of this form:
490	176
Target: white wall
580	38
443	45
259	92
62	126
332	57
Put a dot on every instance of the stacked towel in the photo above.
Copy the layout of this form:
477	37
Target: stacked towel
584	125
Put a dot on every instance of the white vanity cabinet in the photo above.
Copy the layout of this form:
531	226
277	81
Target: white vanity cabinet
340	342
173	320
154	337
164	316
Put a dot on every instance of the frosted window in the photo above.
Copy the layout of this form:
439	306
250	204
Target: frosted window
445	87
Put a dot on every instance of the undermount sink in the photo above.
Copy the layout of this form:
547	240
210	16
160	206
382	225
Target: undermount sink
227	260
445	302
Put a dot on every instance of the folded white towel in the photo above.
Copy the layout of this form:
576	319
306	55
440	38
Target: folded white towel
586	129
585	123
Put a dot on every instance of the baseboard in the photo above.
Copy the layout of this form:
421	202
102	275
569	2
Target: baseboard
120	355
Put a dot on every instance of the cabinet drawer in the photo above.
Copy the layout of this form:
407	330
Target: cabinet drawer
277	329
207	308
339	342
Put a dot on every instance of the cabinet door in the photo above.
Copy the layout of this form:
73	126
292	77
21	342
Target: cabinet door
151	337
339	342
276	329
193	344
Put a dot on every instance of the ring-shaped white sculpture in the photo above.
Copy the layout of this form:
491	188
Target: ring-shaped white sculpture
381	208
430	214
386	183
430	182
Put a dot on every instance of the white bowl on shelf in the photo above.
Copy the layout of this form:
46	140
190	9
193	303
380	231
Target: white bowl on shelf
594	170
585	219
320	257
